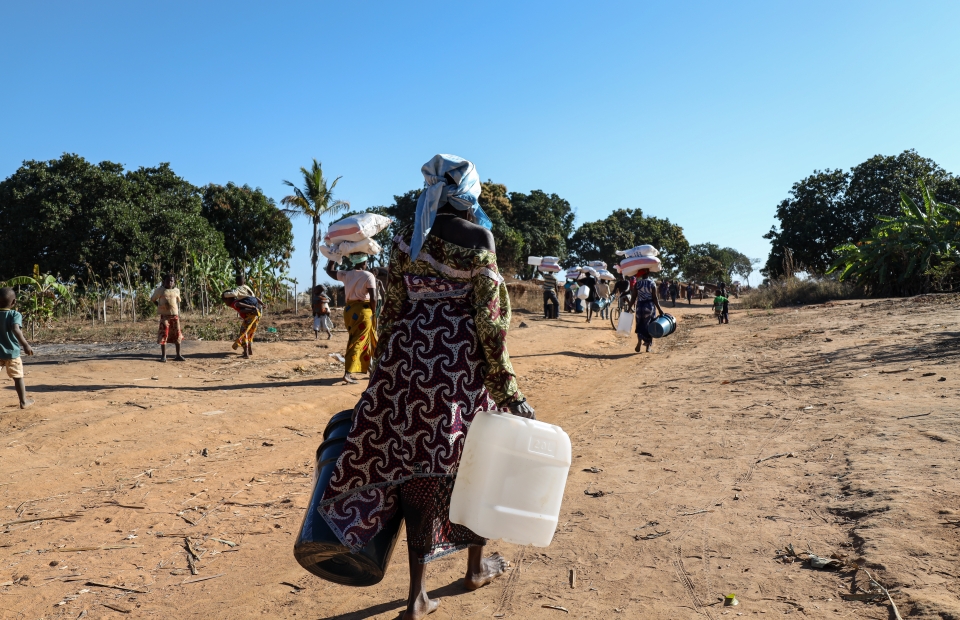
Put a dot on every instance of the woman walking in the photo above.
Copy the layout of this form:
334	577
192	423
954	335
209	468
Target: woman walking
648	308
360	292
441	359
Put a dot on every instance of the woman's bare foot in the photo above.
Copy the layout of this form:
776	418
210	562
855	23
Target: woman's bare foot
489	569
422	607
26	403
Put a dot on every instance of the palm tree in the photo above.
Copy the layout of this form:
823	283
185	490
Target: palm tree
314	201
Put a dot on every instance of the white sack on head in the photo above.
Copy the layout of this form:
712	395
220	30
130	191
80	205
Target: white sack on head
631	266
550	260
331	253
365	246
534	260
603	274
597	264
591	271
357	227
549	268
640	250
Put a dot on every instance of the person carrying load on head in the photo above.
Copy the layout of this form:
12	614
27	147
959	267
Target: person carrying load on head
360	292
551	303
647	304
242	299
440	360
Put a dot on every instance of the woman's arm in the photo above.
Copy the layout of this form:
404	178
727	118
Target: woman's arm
656	302
492	302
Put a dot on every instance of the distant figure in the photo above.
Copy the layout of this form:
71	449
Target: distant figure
720	308
242	299
568	295
700	288
167	300
11	342
603	298
551	303
591	283
674	292
321	312
689	293
360	291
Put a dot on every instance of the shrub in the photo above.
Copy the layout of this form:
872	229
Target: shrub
793	291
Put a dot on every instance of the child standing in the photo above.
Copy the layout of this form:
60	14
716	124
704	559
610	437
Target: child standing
321	313
11	342
720	308
167	300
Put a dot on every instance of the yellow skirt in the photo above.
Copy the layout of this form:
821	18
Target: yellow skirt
247	330
362	342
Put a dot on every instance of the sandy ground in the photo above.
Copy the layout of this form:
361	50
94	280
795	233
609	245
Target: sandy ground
856	402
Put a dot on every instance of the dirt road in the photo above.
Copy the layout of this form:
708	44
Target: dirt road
832	429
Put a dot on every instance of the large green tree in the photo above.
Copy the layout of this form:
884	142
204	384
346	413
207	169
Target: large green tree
832	208
627	228
730	262
251	223
75	218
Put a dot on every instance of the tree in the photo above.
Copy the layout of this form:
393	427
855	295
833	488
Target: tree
251	223
314	201
627	228
833	208
731	263
543	221
77	218
914	252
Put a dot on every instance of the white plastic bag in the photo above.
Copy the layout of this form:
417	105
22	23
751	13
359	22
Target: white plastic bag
331	253
625	324
640	250
366	246
356	227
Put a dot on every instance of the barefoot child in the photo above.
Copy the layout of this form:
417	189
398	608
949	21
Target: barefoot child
249	310
11	341
167	300
321	313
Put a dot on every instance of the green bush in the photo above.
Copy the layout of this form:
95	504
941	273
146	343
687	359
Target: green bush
794	291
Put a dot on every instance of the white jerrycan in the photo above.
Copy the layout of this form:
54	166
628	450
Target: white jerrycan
511	479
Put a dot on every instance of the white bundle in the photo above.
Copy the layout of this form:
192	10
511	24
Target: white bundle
591	271
630	266
331	253
356	227
597	264
551	268
365	246
550	260
534	260
573	273
603	274
640	250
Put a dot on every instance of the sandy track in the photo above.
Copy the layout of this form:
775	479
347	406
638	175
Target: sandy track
687	513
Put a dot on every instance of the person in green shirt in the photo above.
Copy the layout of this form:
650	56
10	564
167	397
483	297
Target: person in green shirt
720	308
11	342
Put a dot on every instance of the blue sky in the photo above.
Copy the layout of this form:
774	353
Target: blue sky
701	112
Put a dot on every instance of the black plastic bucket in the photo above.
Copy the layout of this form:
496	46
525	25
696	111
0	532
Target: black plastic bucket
318	549
663	326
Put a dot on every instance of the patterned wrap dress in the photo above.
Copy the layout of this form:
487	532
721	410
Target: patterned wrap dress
646	311
441	358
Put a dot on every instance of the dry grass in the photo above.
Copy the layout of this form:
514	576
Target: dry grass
795	291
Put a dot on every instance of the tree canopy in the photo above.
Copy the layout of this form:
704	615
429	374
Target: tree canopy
251	223
627	228
831	208
77	219
723	263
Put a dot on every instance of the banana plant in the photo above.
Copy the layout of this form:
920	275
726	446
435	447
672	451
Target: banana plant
40	296
905	254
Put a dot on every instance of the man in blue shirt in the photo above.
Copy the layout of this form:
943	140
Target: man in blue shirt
11	341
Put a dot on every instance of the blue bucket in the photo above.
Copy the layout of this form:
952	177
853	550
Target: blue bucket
663	326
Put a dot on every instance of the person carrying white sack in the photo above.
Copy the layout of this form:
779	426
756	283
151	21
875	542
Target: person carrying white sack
648	309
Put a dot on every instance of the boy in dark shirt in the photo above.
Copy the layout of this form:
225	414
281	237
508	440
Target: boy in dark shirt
11	342
720	307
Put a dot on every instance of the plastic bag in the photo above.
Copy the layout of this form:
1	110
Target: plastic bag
625	324
331	253
356	227
640	250
365	246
